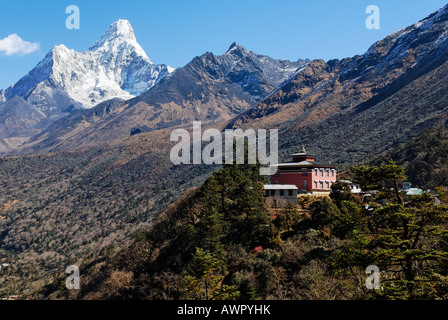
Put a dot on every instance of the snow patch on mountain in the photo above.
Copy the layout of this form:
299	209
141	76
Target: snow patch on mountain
427	40
254	71
276	71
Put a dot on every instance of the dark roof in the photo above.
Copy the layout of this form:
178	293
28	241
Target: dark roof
307	164
301	154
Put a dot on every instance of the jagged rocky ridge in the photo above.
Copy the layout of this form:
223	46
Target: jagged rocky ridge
211	88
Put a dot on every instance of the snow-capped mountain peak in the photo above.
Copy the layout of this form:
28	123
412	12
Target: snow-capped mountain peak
119	30
120	34
116	66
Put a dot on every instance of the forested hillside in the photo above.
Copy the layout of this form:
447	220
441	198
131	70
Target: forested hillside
222	242
57	208
425	158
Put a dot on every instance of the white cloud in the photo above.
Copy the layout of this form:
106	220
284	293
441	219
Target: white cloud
14	45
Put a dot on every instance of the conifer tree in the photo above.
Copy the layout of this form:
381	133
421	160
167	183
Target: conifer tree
404	238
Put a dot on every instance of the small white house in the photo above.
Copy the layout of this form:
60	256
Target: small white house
3	266
354	188
411	191
287	192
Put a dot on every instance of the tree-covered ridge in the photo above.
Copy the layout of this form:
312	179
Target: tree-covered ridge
221	241
405	237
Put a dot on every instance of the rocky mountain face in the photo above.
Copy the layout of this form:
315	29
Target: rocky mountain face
18	121
210	88
218	88
353	108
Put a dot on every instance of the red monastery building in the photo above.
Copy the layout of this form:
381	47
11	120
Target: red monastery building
306	174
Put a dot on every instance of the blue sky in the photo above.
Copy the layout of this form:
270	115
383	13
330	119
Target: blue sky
175	31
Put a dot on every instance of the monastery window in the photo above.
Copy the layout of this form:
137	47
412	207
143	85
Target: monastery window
316	184
282	192
305	184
